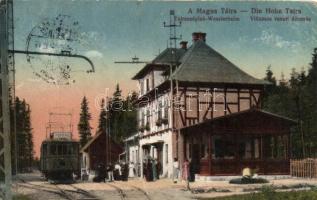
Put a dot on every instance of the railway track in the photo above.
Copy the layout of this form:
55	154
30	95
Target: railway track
124	195
76	194
70	193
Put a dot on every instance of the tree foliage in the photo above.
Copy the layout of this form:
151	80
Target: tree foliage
84	128
297	99
102	124
122	115
24	135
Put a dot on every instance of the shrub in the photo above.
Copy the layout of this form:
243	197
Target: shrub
246	180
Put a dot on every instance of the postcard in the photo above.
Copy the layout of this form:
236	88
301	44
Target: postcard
158	99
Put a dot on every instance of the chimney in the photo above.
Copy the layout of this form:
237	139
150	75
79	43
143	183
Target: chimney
183	44
199	36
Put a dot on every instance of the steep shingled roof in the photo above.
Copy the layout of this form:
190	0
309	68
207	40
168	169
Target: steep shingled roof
164	58
201	63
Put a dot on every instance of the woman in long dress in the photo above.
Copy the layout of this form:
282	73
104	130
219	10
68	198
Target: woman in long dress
131	170
185	171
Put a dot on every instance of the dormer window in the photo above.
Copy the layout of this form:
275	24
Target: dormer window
147	85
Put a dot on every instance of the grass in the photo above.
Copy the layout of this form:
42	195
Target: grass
20	197
268	193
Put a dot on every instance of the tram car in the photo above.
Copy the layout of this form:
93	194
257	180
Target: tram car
59	158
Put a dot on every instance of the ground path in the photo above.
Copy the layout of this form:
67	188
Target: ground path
37	188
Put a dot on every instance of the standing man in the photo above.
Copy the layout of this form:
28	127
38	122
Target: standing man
175	170
131	170
110	172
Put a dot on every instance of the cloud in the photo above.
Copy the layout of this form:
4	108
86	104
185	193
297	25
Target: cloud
46	48
94	54
269	38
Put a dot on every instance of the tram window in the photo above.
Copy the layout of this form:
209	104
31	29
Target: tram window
53	149
75	149
65	147
44	149
69	149
60	149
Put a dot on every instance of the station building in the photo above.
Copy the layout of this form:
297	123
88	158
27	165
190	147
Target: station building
99	150
195	104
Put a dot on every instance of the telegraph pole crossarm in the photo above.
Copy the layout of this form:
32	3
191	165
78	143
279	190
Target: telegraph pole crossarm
135	60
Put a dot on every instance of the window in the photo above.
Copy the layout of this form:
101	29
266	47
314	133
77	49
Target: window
245	148
159	112
69	149
147	84
132	156
137	156
224	148
53	149
166	111
75	149
166	153
190	151
148	114
142	86
60	149
44	148
142	119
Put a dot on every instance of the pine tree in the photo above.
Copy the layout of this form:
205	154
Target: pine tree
297	100
25	146
29	137
84	128
123	115
130	115
269	76
116	115
310	107
102	125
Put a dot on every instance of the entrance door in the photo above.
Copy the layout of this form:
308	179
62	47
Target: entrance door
160	153
196	158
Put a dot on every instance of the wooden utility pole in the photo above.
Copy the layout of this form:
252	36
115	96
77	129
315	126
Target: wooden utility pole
5	149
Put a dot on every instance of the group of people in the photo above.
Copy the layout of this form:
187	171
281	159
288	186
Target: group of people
117	172
188	171
152	169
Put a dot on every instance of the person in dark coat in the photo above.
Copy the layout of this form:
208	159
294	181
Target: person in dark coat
191	172
103	173
149	170
100	173
144	171
125	172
